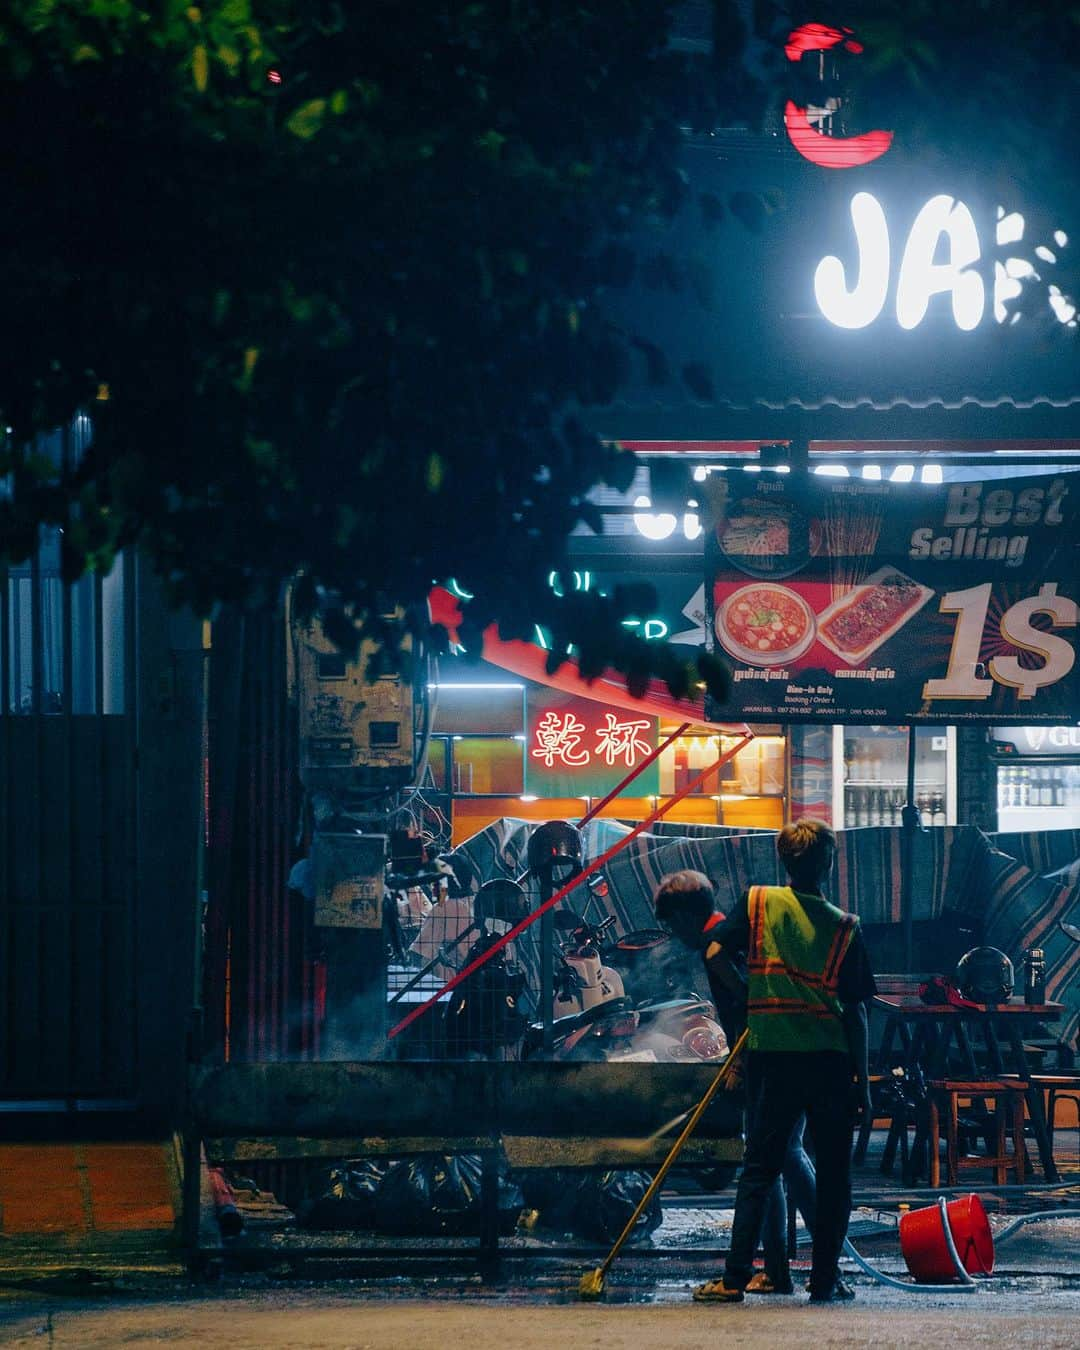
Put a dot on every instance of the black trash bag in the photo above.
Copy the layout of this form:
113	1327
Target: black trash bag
553	1193
605	1201
346	1195
438	1195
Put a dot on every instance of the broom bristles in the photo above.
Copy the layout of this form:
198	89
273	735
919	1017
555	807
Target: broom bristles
591	1284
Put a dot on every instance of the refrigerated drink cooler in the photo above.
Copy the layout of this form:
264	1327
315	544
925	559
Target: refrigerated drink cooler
869	778
1037	772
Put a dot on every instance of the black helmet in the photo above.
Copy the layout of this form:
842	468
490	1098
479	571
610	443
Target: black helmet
500	901
985	975
461	874
556	844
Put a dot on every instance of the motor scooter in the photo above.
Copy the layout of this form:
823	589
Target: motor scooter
597	1018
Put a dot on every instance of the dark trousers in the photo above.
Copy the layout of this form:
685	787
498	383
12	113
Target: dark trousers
780	1087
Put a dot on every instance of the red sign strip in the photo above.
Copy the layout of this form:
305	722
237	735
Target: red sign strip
638	768
564	891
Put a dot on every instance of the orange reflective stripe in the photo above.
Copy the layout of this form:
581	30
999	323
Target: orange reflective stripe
756	906
845	930
788	1006
776	965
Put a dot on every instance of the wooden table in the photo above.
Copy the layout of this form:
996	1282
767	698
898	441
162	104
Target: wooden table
927	1033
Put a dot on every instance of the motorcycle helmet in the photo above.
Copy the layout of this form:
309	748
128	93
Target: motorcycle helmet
985	975
554	853
460	874
500	905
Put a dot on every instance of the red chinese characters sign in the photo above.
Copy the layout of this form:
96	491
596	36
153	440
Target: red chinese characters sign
580	748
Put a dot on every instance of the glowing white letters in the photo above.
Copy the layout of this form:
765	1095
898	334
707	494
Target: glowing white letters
921	277
861	306
943	220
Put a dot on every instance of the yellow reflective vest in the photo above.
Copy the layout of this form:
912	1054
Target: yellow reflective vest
797	945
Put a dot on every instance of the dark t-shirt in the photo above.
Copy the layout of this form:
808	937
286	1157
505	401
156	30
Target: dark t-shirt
855	981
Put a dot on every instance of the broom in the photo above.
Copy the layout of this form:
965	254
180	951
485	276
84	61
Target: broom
591	1284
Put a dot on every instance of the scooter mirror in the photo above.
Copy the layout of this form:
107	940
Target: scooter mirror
1070	930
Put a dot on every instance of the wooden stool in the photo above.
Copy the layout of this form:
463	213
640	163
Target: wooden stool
1008	1098
1059	1087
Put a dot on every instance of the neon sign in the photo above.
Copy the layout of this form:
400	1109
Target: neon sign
559	739
651	629
829	152
938	258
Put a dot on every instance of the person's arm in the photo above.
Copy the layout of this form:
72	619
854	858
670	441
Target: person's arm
727	973
726	943
857	1030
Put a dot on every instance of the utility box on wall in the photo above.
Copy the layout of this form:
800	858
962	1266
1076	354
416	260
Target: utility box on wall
353	734
349	874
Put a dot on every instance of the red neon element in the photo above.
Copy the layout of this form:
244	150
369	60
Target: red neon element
559	738
564	891
819	37
274	76
832	152
529	661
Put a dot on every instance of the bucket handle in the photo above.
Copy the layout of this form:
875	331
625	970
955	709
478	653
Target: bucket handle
950	1243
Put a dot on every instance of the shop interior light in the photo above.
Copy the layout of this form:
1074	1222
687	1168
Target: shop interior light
903	473
520	738
872	472
691	524
832	470
931	473
528	799
657	527
442	684
700	473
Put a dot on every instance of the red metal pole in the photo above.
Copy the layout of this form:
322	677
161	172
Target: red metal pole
564	891
652	755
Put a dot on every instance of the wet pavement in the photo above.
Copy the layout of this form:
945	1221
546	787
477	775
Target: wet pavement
1032	1299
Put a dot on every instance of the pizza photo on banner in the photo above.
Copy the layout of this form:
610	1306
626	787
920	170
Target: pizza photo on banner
576	747
845	600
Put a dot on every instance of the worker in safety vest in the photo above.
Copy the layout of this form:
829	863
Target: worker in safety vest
808	981
685	904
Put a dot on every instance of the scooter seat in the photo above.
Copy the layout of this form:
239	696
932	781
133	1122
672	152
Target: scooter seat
562	1027
689	1004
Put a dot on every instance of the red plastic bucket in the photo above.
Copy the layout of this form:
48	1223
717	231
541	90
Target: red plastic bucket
922	1240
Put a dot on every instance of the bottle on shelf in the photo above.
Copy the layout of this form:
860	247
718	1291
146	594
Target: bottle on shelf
862	807
922	803
937	808
1059	791
898	806
874	813
1023	787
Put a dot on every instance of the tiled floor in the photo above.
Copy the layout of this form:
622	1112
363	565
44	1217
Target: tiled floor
56	1189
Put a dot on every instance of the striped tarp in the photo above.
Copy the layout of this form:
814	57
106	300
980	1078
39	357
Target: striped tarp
1008	897
1024	909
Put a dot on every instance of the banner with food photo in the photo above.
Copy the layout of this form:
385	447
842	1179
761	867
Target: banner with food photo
847	600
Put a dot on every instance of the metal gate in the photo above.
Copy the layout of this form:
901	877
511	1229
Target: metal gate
67	796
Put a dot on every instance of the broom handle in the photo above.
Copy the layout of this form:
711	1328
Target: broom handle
676	1149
